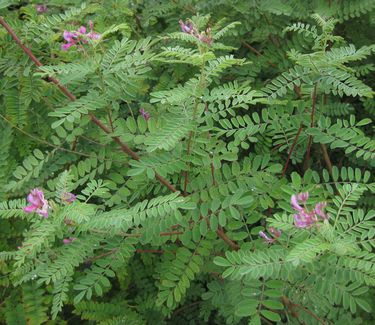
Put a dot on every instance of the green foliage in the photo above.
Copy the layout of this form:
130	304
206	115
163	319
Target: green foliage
168	160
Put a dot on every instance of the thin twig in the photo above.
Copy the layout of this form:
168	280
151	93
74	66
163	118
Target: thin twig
291	305
326	157
313	97
254	50
291	150
310	313
177	311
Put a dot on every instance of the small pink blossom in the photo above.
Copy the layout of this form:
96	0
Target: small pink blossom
304	218
294	203
38	203
186	27
145	114
303	197
265	237
319	207
274	232
80	35
68	197
41	8
69	240
189	28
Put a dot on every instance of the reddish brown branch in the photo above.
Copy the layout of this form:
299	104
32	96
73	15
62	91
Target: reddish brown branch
308	152
326	157
291	150
254	50
100	124
155	251
224	237
291	307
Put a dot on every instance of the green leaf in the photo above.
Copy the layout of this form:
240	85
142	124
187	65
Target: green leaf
363	304
272	304
246	307
272	316
221	261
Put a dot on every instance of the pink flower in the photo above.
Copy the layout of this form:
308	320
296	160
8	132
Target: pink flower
69	240
82	30
206	37
80	35
186	27
319	207
145	114
294	203
69	36
38	203
303	197
41	8
274	232
68	197
304	219
92	34
265	237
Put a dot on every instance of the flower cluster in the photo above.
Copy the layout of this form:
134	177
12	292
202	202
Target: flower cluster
188	28
68	197
305	218
69	240
37	203
79	36
41	8
274	233
145	114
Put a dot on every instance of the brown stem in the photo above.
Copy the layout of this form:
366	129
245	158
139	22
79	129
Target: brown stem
100	124
326	157
291	150
307	159
290	305
155	251
110	120
224	237
177	311
254	50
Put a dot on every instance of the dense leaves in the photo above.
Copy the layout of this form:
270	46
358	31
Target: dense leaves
187	162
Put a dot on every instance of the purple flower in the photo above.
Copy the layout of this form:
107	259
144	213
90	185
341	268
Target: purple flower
82	30
304	219
71	39
319	207
206	37
68	197
92	34
38	203
145	114
265	237
41	8
186	27
274	232
69	240
294	202
303	197
80	35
